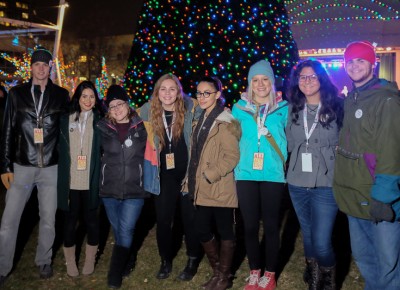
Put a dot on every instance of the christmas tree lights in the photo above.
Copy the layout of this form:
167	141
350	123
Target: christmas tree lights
217	38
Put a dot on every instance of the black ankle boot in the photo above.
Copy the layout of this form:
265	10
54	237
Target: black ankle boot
165	269
328	277
190	270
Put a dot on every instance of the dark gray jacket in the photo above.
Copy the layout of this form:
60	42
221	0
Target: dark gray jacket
322	145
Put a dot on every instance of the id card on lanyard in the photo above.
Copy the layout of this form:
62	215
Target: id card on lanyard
38	136
169	157
306	158
262	130
82	159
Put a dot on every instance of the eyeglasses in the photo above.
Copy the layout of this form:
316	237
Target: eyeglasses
204	94
311	78
117	106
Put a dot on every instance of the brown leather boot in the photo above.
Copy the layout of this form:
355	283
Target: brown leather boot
225	262
211	251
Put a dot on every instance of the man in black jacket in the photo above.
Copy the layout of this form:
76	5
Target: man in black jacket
28	158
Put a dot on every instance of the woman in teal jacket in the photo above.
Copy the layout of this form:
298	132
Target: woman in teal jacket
260	173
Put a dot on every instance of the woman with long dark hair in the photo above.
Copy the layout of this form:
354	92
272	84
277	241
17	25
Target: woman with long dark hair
78	174
315	117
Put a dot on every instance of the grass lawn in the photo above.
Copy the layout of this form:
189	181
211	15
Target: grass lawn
25	274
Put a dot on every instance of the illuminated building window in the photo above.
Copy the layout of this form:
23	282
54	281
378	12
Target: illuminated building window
1	13
83	58
18	4
24	6
3	4
25	15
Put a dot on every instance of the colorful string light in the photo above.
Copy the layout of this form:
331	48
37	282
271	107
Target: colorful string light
195	38
102	82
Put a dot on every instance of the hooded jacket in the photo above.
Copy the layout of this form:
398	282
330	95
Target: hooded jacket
276	120
368	160
121	174
215	183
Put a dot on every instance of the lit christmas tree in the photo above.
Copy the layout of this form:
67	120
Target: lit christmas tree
217	38
102	82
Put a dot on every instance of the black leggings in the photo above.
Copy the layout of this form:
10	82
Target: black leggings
206	216
261	200
77	200
166	204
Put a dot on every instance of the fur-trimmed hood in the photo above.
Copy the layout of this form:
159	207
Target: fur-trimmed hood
233	125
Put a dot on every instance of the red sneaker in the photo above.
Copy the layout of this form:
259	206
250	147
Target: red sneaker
252	280
267	282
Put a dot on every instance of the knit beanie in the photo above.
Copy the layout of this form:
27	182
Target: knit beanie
360	49
262	67
41	54
116	92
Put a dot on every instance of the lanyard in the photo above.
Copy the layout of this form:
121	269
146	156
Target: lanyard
39	106
315	123
261	129
168	132
82	126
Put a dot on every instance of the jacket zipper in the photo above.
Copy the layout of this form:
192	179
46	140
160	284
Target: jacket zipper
102	171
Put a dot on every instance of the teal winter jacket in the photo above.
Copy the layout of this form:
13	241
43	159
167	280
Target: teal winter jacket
273	169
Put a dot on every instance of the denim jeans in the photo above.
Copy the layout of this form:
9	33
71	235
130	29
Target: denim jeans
123	215
25	178
316	210
376	250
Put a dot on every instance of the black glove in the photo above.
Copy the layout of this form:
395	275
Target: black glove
380	211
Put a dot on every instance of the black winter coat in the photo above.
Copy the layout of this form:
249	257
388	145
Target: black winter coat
122	164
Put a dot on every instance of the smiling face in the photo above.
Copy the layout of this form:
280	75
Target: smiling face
207	95
87	100
119	111
167	94
261	86
40	72
309	85
360	71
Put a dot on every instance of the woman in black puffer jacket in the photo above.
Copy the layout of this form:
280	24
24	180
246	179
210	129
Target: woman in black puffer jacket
121	181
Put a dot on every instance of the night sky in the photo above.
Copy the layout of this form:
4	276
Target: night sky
89	18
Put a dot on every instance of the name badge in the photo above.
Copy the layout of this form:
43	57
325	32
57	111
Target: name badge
38	135
81	165
306	162
258	161
170	160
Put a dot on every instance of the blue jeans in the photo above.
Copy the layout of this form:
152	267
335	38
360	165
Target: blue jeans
123	215
376	250
316	210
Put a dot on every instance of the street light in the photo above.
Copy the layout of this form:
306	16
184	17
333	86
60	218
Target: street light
60	20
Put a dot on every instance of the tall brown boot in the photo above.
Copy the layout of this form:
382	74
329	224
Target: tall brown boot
90	259
328	278
211	251
225	263
69	254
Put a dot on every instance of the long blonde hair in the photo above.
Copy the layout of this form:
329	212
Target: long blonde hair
271	97
156	111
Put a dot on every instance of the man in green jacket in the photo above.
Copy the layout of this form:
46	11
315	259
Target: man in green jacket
367	169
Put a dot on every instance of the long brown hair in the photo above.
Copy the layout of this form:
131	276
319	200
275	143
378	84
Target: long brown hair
156	111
